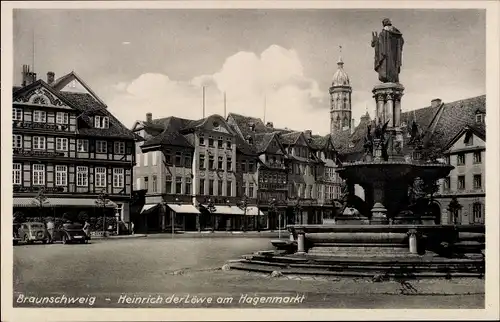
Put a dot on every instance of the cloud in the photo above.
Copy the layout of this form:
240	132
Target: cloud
275	76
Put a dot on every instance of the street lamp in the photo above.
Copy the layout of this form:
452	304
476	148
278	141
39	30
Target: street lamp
243	206
103	201
273	209
211	209
298	210
177	201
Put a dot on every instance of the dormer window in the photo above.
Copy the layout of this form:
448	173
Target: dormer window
101	122
480	116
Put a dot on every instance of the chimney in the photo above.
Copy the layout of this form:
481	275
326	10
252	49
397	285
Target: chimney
270	125
26	75
149	117
50	77
252	126
436	102
249	139
308	134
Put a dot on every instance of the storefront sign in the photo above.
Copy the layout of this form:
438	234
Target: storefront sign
36	189
34	153
43	126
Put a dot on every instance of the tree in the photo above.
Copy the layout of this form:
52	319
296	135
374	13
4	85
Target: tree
243	206
19	217
40	200
211	209
454	207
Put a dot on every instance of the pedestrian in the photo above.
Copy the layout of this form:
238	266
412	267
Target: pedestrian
132	227
50	229
86	228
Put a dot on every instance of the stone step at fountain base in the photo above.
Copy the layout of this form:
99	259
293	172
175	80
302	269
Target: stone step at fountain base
367	250
411	267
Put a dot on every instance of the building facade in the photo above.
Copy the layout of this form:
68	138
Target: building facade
69	151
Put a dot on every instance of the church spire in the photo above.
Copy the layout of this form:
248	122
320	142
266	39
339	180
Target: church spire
340	62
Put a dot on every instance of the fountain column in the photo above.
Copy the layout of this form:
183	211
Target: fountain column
301	242
379	212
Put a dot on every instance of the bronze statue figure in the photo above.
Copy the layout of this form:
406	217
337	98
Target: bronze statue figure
388	46
368	144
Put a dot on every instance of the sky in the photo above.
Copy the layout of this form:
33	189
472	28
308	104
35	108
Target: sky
273	64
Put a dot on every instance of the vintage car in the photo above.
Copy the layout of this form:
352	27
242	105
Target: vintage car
30	232
70	233
15	233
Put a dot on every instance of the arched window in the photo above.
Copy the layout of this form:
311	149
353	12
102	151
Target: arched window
477	213
345	122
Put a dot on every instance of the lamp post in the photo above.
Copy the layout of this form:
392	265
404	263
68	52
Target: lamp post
211	209
298	210
177	201
274	209
243	206
103	201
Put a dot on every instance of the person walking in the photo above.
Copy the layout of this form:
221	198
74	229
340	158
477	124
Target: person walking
132	227
86	229
50	229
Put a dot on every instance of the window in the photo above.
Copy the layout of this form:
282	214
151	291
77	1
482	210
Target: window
118	177
469	139
38	174
229	188
146	183
250	166
477	157
138	183
479	118
17	114
211	162
101	122
220	143
155	158
39	116
202	140
178	159
178	185
101	146
211	187
228	145
187	161
220	163
119	147
243	166
83	146
100	177
210	142
202	161
168	183
461	182
16	173
17	141
446	184
460	159
61	144
478	181
188	186
146	159
447	159
155	184
202	187
250	191
39	143
219	187
82	176
61	175
229	164
477	212
62	118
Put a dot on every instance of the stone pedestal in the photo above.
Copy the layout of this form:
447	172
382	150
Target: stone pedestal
388	99
301	243
379	215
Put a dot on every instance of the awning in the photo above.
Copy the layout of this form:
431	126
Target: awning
184	209
254	211
61	202
227	210
149	207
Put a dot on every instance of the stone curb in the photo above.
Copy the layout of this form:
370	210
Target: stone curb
118	237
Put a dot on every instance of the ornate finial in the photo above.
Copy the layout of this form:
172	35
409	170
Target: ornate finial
340	61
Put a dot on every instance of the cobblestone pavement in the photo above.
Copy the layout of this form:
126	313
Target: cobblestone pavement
143	267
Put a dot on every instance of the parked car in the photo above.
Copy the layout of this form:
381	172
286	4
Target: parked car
70	233
15	233
30	232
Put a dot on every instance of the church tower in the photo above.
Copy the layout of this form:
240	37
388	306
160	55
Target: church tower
340	100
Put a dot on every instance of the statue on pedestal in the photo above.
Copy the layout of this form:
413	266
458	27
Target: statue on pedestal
388	46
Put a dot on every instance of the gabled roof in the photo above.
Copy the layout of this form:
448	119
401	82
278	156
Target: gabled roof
477	129
319	142
170	135
290	138
61	82
19	91
87	105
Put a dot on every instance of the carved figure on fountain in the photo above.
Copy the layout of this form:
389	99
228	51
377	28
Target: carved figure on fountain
388	45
